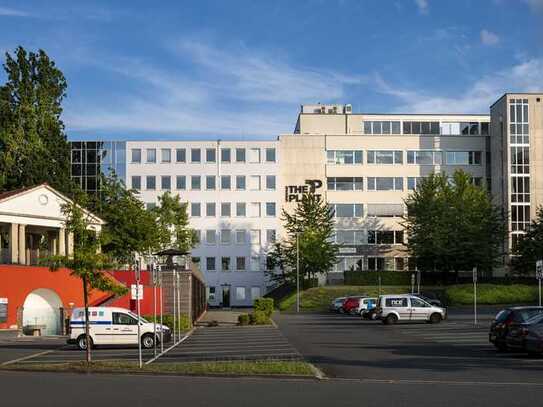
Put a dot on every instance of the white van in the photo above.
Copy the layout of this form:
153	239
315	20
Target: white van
114	326
407	307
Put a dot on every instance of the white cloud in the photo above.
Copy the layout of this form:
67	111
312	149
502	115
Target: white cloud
489	38
422	5
11	12
477	97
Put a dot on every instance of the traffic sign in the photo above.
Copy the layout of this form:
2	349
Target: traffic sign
539	269
474	274
136	295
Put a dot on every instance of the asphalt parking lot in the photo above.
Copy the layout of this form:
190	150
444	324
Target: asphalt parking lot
454	350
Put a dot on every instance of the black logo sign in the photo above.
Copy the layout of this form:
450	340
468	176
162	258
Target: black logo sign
294	193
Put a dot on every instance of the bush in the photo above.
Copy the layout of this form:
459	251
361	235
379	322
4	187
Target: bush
244	319
259	318
492	294
372	277
265	305
183	323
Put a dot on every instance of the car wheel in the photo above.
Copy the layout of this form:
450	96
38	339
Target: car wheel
82	342
391	319
147	341
435	318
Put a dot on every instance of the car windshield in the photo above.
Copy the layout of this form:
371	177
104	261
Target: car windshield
525	314
502	315
537	319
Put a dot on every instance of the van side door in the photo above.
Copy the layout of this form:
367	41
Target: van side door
125	329
420	310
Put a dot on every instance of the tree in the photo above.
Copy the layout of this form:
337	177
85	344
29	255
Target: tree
33	145
312	222
529	247
172	223
452	225
129	228
86	262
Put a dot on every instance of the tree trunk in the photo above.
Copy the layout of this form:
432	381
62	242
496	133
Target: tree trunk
86	304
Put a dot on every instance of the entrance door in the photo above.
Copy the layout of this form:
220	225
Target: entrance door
226	297
419	310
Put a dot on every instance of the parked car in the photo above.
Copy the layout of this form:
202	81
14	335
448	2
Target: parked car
337	303
408	307
351	304
365	306
114	326
431	299
520	334
504	319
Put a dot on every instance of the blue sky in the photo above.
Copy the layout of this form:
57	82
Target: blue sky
239	69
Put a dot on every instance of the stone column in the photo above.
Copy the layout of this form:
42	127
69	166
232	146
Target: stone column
70	244
13	242
61	242
22	244
52	243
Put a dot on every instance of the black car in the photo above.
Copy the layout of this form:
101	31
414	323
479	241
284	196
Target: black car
505	318
526	336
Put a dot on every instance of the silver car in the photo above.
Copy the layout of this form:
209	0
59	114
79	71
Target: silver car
408	308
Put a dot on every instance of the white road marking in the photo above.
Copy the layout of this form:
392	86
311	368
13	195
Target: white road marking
24	358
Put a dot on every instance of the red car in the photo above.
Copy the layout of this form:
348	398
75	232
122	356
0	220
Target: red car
351	304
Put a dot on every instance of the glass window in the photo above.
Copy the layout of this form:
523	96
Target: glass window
225	155
226	236
240	155
180	155
254	182
240	182
210	182
347	210
406	127
195	182
255	293
474	128
254	209
240	264
195	155
166	155
254	155
151	155
210	209
464	129
255	236
270	235
150	182
136	155
225	263
344	157
270	208
181	182
210	155
195	209
225	182
270	155
367	127
255	263
166	182
210	266
241	209
240	293
211	237
136	182
240	236
270	182
395	127
226	209
376	128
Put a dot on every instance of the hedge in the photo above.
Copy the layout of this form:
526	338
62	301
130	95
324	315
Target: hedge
183	323
265	305
372	277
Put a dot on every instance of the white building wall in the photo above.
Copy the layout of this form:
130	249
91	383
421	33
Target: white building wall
243	285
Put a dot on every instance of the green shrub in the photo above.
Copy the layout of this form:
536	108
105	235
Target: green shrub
259	318
372	277
492	294
265	305
183	323
244	319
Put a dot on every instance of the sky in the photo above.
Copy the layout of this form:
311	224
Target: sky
240	69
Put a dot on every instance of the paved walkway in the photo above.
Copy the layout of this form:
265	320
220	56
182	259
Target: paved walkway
223	316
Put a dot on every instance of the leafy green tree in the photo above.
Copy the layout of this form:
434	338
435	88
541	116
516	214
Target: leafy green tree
530	247
33	145
312	224
86	262
452	225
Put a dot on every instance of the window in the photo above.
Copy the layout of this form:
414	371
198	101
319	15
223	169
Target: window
254	209
240	155
150	182
166	155
254	183
255	293
422	157
240	263
136	182
412	182
420	127
381	127
344	156
151	155
520	189
350	237
450	128
241	209
270	235
136	155
347	210
270	182
181	182
485	127
385	184
240	293
270	208
226	236
210	182
225	263
210	155
270	155
166	182
225	182
195	182
226	209
211	237
385	237
211	209
385	157
344	183
463	157
195	155
255	263
254	155
181	155
195	209
385	210
240	236
396	302
150	205
210	266
123	319
240	182
255	236
225	155
198	234
399	263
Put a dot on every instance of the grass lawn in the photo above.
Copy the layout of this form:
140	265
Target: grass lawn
242	368
491	294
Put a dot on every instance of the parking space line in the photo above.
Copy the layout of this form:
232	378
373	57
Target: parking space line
24	358
183	339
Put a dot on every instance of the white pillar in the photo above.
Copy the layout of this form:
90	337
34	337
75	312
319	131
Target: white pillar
22	244
61	242
13	242
69	243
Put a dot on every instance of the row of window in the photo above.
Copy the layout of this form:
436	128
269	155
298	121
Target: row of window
376	237
226	156
252	210
239	263
378	183
420	157
254	181
240	293
426	127
239	236
373	263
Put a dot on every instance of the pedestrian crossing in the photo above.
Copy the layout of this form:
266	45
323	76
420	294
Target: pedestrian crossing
455	334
